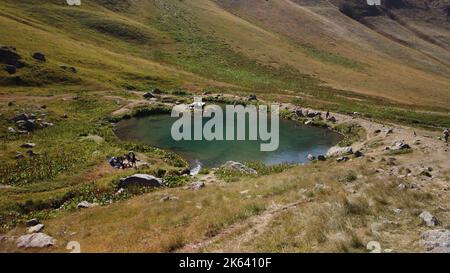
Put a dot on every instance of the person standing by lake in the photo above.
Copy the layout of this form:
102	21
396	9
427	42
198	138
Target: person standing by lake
446	135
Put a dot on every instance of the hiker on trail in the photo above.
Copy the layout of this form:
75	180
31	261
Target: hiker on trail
446	135
132	159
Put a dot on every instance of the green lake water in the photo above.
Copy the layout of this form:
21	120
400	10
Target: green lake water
296	142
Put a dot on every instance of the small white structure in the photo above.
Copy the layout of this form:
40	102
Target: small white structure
73	2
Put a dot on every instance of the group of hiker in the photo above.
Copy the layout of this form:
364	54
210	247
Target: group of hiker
123	162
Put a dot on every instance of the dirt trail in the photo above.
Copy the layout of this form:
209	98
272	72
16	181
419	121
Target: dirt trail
251	226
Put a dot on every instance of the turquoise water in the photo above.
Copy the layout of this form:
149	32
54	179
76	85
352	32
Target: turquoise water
296	142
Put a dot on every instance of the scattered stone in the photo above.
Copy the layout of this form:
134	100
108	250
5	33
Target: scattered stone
28	145
436	241
310	157
35	240
426	173
144	180
10	103
342	159
35	229
11	69
39	56
158	91
148	95
332	119
399	145
252	97
20	117
237	166
168	198
308	122
33	222
197	185
358	154
65	116
12	130
31	153
339	151
19	155
396	210
321	158
86	205
69	68
428	219
377	131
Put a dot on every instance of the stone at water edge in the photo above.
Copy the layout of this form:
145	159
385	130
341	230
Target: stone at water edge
140	180
342	159
428	219
35	229
237	166
436	240
339	151
321	158
35	240
310	157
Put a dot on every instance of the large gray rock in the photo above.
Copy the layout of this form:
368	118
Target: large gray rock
197	185
339	151
428	219
35	240
436	240
237	166
144	180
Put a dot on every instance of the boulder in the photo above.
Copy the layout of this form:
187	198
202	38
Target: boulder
399	145
11	130
298	112
339	151
321	158
332	119
20	117
148	95
197	185
310	157
342	159
35	229
28	145
86	205
428	219
19	155
358	154
35	240
9	56
251	97
436	240
39	56
33	222
237	166
11	69
145	180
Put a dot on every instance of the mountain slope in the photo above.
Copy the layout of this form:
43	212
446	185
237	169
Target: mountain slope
292	46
